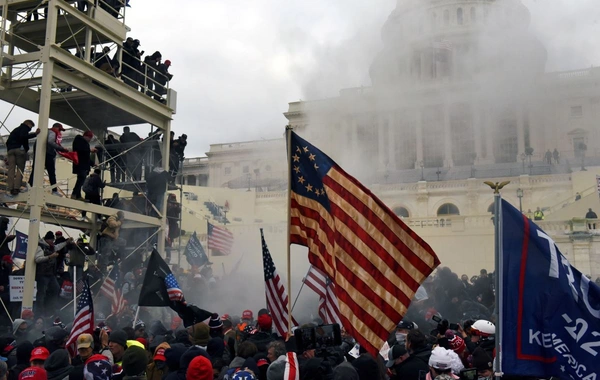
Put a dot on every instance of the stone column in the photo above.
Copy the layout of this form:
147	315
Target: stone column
477	124
520	133
381	120
489	120
448	162
419	133
392	130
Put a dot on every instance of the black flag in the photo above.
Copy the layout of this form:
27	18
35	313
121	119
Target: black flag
194	252
160	288
154	289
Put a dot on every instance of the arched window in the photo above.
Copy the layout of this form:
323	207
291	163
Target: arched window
401	212
191	180
448	209
446	17
459	16
473	15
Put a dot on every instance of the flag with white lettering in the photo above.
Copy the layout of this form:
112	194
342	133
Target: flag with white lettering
194	252
20	246
550	311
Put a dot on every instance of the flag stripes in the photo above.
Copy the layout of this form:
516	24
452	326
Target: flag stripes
220	239
328	305
374	260
111	288
84	319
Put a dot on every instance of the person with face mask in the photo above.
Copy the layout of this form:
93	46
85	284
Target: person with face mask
402	330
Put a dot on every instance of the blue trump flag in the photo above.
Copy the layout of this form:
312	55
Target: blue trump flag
194	252
20	246
550	311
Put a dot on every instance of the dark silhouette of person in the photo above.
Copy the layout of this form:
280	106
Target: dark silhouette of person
591	215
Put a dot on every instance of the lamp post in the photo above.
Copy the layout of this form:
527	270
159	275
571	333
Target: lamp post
422	172
520	196
529	153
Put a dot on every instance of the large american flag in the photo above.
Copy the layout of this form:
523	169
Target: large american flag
84	319
175	293
111	288
277	297
329	310
220	239
374	260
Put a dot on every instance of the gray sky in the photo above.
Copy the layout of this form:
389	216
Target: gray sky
237	64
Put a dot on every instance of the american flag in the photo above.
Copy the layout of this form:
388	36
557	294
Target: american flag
175	293
329	310
220	239
277	298
84	319
111	288
375	261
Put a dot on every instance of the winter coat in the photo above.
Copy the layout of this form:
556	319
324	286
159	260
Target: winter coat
57	365
19	138
113	225
46	266
52	145
158	369
414	365
82	147
95	184
261	340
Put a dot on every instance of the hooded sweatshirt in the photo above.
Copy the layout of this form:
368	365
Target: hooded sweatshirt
158	368
57	365
21	336
23	354
345	371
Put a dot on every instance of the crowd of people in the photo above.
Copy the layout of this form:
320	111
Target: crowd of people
425	345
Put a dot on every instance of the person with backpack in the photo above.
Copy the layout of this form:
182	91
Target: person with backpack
91	187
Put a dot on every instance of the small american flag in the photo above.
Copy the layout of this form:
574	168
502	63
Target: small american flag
220	239
277	298
84	319
175	293
329	310
111	288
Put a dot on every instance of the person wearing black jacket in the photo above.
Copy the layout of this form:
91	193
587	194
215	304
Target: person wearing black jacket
151	63
4	238
162	76
17	146
133	158
417	363
52	147
131	62
81	145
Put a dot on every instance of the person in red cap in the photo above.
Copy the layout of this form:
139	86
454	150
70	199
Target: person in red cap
81	145
263	337
162	76
200	368
38	357
33	373
53	145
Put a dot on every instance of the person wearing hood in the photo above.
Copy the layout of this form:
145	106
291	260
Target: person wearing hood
58	365
184	363
45	274
158	368
55	338
19	330
23	354
156	331
345	371
173	355
135	362
201	368
200	335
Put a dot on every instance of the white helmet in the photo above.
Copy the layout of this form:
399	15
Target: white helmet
483	328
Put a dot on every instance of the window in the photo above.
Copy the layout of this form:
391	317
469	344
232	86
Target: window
577	111
459	16
227	170
446	17
246	169
473	15
448	209
401	212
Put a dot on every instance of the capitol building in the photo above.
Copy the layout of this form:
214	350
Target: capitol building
459	96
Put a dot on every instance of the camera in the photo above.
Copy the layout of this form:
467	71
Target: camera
468	374
320	337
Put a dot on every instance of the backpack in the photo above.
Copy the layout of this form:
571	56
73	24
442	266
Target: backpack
87	185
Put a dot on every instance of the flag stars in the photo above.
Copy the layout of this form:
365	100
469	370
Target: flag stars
297	169
309	188
316	167
312	157
296	158
305	149
301	180
298	149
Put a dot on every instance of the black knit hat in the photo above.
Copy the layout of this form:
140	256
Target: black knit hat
119	337
49	236
135	361
215	322
482	360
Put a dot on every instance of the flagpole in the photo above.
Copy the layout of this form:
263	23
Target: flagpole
297	296
288	133
137	314
498	274
74	291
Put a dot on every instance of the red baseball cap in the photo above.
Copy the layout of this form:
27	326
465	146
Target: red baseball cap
265	322
247	314
160	355
88	134
39	353
33	373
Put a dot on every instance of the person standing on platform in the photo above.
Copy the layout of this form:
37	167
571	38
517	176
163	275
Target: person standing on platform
92	187
115	162
52	147
81	145
17	146
162	77
45	274
133	158
591	215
